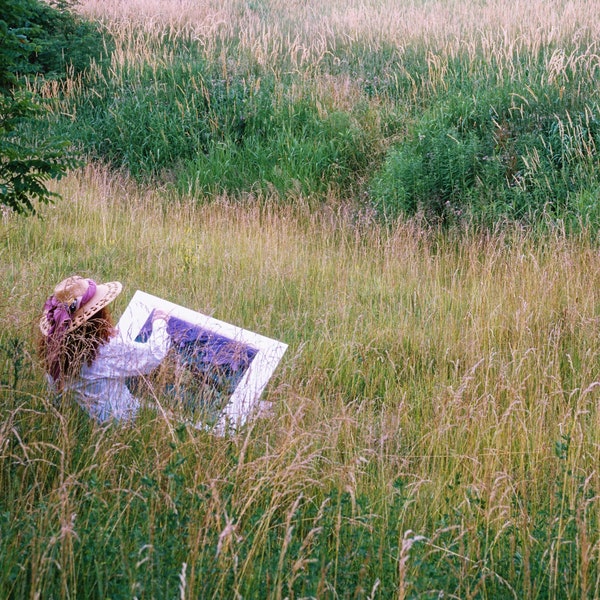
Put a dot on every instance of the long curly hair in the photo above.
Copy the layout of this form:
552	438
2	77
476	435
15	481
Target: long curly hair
64	359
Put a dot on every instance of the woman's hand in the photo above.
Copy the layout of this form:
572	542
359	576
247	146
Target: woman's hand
160	314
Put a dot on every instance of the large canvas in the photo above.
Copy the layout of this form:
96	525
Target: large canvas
214	373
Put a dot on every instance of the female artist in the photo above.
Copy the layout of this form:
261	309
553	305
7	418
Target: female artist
85	355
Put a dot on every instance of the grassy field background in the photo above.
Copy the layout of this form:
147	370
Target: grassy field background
437	411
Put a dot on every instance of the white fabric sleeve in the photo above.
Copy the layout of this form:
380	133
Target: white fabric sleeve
121	357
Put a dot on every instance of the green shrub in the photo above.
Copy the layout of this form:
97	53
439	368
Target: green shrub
492	151
35	38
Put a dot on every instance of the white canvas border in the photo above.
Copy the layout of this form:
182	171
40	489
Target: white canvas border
245	398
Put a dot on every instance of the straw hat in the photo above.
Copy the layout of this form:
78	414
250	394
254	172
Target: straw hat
74	301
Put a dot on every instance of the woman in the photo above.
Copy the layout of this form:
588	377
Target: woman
84	354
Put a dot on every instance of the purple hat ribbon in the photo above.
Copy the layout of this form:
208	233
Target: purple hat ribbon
59	314
89	293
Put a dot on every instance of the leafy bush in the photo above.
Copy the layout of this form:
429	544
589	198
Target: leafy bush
35	38
24	168
493	151
62	40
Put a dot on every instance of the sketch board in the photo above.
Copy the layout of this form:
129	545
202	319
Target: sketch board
216	371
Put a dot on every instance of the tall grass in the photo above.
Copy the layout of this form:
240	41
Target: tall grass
436	414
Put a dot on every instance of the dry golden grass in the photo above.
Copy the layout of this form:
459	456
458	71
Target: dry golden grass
307	28
280	36
452	364
472	354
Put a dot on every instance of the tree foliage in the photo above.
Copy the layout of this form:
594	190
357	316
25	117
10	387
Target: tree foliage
44	39
25	168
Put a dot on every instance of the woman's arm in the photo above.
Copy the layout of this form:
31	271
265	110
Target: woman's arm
122	357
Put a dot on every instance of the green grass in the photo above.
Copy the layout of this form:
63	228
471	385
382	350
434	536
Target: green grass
435	414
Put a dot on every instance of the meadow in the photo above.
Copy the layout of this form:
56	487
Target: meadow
282	166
